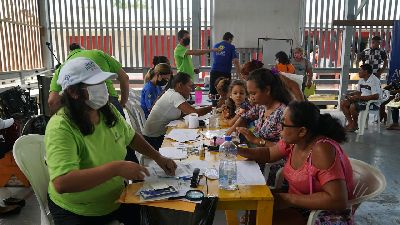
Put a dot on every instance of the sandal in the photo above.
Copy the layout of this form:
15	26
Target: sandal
348	129
14	201
9	210
393	127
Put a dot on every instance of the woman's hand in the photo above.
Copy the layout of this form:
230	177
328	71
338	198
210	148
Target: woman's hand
168	165
131	171
247	134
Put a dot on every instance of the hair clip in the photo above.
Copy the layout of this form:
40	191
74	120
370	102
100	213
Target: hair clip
275	71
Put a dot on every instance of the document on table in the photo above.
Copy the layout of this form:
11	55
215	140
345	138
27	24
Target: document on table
174	123
249	173
209	134
173	152
182	170
183	135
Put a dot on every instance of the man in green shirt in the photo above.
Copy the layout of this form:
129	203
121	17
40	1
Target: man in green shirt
85	146
106	63
182	54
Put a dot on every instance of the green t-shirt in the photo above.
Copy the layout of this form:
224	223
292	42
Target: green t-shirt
103	60
67	150
183	62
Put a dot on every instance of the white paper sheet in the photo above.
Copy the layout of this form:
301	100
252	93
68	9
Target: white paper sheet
175	123
183	135
249	173
156	171
173	152
209	134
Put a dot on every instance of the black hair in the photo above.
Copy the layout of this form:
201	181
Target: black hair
265	78
182	33
366	67
159	59
74	46
78	111
377	38
282	57
306	114
227	36
180	77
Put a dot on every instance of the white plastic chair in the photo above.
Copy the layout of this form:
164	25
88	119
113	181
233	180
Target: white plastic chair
364	115
369	182
137	114
29	154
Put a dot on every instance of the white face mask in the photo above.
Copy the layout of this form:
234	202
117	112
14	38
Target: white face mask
98	96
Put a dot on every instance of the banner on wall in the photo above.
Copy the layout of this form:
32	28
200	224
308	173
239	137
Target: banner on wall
394	69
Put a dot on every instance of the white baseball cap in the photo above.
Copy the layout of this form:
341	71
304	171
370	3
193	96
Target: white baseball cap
81	70
6	123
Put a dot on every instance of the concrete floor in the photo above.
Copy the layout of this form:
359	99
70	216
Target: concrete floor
380	150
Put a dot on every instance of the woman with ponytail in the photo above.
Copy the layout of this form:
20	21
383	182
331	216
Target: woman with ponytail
317	169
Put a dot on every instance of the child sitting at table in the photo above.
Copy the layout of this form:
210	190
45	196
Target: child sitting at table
236	104
222	86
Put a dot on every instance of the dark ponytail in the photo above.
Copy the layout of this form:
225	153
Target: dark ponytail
306	114
331	128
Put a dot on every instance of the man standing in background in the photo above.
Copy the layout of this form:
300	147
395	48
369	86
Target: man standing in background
107	64
222	61
182	54
374	56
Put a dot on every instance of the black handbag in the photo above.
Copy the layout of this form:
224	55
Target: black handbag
203	214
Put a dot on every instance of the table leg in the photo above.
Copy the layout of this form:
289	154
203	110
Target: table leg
264	212
231	217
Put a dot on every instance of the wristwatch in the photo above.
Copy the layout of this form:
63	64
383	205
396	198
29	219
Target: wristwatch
261	142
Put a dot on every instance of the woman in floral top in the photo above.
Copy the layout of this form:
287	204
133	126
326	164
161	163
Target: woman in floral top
271	97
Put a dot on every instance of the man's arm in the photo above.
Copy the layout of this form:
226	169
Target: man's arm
124	86
54	102
200	51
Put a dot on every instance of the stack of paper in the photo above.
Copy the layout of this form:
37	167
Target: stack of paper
183	135
173	152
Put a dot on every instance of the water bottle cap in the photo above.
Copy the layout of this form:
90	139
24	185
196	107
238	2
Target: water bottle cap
228	138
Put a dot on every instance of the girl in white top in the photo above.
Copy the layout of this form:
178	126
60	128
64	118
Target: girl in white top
171	106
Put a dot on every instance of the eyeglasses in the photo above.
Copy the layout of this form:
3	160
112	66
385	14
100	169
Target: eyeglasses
286	125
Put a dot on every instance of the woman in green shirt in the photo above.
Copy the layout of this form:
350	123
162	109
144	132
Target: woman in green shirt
85	149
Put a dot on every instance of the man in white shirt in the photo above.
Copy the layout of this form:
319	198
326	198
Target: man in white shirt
369	88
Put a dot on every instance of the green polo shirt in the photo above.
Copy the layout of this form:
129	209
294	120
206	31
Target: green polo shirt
183	62
68	150
103	60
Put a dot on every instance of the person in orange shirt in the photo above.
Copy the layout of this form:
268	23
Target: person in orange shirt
283	63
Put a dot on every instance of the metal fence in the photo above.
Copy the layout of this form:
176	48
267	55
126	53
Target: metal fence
322	41
133	31
19	36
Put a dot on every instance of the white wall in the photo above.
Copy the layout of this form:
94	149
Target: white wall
248	20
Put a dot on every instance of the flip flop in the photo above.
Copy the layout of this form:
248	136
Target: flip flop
9	210
351	129
393	127
14	201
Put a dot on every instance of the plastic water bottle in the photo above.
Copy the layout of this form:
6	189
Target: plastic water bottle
227	165
198	94
228	149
